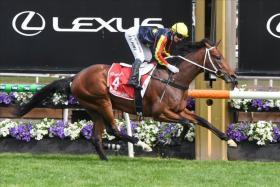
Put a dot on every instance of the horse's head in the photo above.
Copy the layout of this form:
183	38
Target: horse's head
216	64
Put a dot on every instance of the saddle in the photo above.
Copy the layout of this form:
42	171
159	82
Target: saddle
118	76
144	68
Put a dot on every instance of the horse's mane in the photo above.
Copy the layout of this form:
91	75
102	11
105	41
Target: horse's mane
186	47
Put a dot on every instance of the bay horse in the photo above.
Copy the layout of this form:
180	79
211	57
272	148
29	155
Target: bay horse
90	88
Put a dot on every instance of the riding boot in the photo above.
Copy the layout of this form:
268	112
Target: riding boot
134	76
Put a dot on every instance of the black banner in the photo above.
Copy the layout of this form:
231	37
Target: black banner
69	35
259	37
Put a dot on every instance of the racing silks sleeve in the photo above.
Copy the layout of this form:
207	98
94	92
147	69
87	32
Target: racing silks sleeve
166	53
160	50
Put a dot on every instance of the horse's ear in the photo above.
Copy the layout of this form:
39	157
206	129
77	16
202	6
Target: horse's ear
207	45
218	43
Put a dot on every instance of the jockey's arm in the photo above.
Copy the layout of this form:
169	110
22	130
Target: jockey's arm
160	50
166	53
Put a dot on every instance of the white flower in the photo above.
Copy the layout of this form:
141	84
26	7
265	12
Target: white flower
5	126
262	131
22	97
73	129
40	128
277	103
270	103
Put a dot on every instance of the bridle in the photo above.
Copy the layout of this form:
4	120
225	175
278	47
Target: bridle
215	70
206	55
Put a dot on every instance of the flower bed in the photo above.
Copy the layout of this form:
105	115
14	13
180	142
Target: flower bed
49	135
254	105
261	132
256	141
57	100
43	134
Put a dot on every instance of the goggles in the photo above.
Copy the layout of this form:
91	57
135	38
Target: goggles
180	36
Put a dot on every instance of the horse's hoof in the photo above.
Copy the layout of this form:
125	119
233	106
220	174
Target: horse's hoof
147	149
103	158
231	143
144	146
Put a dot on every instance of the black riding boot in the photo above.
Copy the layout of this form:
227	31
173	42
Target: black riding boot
134	76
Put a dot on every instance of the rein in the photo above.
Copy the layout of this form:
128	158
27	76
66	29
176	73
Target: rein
180	87
207	54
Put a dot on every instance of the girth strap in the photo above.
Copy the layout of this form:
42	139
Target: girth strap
170	83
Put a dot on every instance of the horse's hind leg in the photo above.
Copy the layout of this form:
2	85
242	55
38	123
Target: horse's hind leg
97	134
112	129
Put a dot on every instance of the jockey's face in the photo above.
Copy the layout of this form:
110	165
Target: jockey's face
177	38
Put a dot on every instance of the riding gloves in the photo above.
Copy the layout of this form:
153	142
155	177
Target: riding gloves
172	68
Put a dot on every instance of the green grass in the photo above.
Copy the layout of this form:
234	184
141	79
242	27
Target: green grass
87	170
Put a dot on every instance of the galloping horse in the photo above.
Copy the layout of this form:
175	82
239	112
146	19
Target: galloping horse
90	88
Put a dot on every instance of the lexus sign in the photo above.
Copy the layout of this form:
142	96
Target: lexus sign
79	24
274	31
259	37
66	36
26	30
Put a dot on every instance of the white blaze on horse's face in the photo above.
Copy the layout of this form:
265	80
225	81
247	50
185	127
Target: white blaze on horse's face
217	63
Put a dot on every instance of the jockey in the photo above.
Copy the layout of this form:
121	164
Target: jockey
142	40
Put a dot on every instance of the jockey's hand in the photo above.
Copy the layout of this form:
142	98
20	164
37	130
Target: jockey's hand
172	68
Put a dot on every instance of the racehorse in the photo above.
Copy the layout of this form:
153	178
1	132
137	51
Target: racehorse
90	88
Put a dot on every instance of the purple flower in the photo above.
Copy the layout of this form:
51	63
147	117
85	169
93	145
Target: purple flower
238	131
5	98
22	132
58	129
123	129
190	103
167	132
87	131
260	105
133	125
72	100
276	134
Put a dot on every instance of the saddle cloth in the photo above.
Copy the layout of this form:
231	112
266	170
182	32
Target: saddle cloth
118	76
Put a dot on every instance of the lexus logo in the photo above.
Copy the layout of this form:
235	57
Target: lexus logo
30	23
273	25
22	23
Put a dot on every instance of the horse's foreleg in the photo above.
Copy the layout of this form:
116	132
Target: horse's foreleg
170	116
204	123
186	116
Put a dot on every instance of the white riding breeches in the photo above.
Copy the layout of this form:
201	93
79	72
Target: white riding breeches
138	49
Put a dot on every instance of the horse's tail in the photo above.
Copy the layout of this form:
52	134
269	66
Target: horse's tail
62	86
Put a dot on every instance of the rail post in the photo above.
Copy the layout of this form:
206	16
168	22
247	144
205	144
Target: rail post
208	146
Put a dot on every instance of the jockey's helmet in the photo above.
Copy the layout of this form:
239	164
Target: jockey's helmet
181	29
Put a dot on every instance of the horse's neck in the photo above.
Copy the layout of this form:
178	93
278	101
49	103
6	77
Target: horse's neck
189	71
